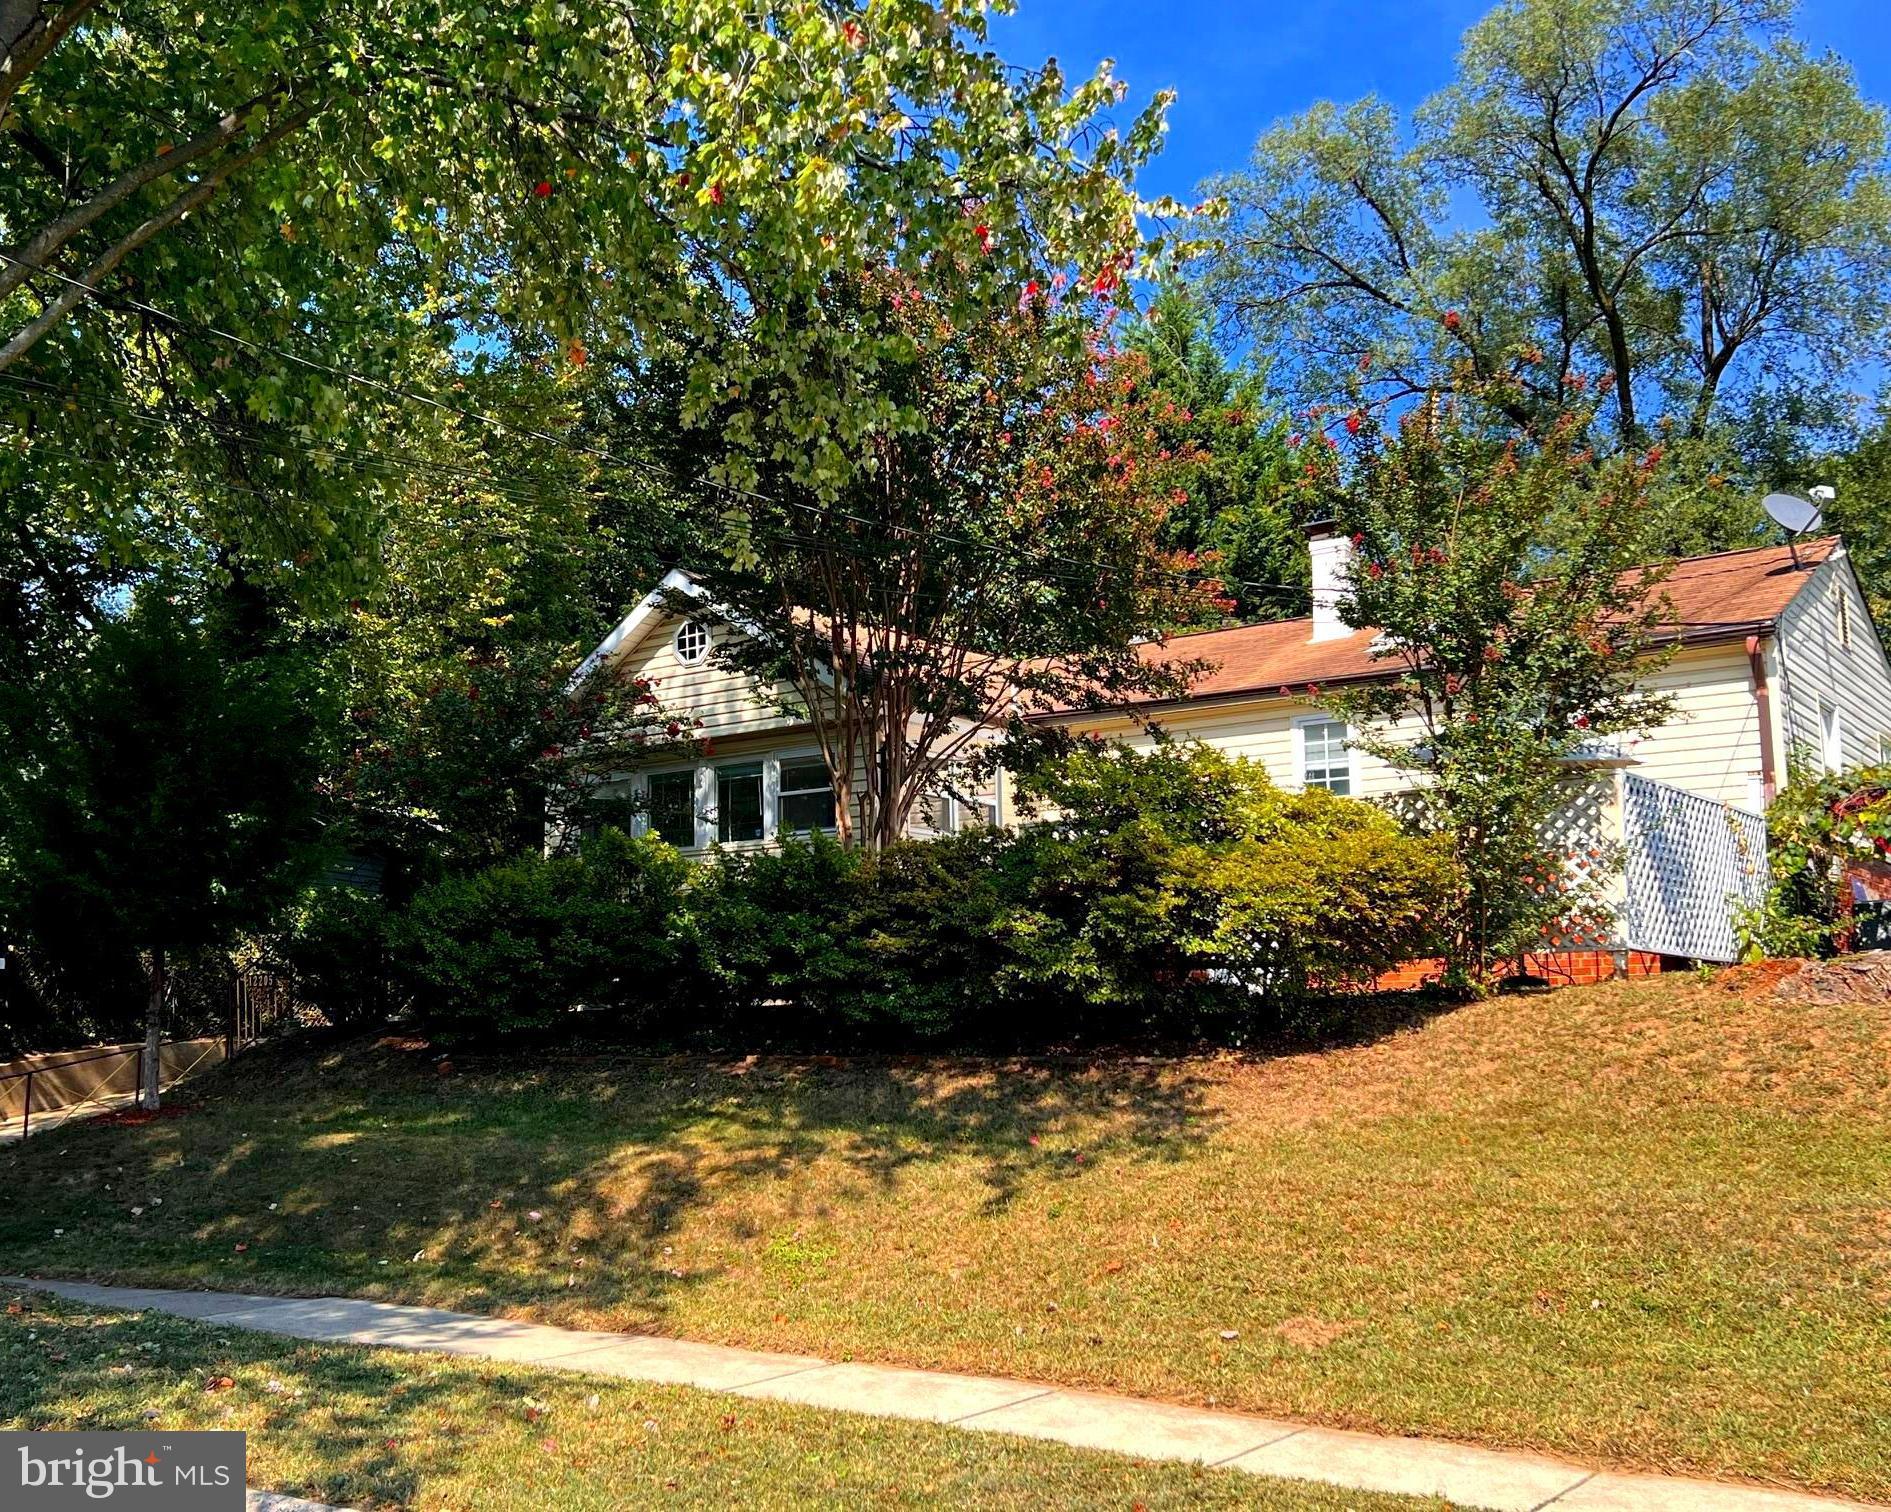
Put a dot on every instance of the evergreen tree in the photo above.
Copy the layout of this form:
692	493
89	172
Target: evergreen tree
159	795
1238	488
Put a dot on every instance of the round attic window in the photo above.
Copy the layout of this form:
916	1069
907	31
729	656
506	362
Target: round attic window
692	642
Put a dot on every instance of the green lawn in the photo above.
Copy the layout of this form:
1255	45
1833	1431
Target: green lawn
368	1427
1648	1224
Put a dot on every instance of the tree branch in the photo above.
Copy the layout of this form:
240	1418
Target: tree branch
198	194
31	257
27	35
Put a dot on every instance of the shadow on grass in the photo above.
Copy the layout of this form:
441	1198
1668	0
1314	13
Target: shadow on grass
560	1187
365	1425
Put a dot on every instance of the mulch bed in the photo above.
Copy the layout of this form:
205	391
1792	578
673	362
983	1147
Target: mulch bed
1756	977
131	1118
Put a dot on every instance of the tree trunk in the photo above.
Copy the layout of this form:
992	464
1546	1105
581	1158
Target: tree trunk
153	1031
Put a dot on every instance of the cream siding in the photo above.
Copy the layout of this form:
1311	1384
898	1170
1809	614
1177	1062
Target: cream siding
728	703
1265	731
1711	743
1816	668
1709	746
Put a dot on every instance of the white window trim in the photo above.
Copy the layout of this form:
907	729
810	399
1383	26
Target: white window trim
640	786
1831	737
771	784
1302	723
712	785
957	806
708	817
676	643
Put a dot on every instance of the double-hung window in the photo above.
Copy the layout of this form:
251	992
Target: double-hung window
806	796
974	810
1324	760
670	811
739	802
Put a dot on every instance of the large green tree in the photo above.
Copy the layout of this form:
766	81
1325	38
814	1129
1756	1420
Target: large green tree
999	557
1860	475
1668	203
158	796
501	567
227	235
1240	480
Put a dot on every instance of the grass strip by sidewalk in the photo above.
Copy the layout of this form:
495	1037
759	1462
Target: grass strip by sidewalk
367	1428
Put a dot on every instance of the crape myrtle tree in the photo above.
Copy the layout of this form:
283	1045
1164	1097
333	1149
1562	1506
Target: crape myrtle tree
996	557
1678	211
233	233
1505	572
159	795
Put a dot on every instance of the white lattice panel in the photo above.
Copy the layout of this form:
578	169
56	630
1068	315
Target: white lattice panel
1687	861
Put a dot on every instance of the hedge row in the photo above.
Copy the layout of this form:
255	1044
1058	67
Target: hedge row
1168	889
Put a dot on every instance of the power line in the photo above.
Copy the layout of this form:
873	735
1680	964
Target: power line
494	422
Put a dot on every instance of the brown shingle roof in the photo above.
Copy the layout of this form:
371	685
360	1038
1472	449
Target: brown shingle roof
1727	594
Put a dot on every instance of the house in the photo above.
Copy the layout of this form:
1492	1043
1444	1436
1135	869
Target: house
758	772
1777	662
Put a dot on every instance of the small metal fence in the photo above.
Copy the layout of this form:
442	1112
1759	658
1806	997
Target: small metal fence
259	1004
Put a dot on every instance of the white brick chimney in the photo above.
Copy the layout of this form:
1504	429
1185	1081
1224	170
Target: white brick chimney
1332	555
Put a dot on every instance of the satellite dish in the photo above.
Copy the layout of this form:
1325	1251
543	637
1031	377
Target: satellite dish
1791	513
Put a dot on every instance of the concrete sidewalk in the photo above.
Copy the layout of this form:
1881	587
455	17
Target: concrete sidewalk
273	1501
1460	1473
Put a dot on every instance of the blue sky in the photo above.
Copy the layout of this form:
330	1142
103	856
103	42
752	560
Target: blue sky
1239	65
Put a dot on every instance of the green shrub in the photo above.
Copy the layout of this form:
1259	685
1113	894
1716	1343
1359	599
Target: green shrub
516	947
766	932
815	942
1818	822
1783	923
1179	882
922	940
1159	890
341	953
